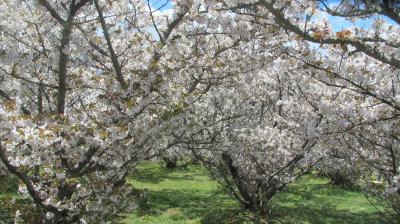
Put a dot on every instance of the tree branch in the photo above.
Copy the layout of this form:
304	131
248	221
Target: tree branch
114	58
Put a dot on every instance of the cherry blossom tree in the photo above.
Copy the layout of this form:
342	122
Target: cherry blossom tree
256	131
254	142
87	90
359	67
258	90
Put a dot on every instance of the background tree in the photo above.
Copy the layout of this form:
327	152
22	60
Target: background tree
358	65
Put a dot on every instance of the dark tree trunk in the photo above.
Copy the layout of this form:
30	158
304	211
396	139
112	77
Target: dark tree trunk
170	163
248	201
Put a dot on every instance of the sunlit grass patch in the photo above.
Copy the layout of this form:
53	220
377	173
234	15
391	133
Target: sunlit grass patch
190	196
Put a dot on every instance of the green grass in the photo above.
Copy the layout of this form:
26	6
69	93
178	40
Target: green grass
183	196
189	196
314	200
10	201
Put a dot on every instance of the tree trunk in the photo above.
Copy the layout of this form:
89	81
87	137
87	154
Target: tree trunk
170	163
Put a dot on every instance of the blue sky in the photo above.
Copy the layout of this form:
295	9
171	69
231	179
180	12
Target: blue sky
338	23
163	4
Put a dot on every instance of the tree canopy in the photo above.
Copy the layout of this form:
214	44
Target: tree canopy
259	91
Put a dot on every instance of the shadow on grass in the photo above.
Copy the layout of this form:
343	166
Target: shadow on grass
325	212
317	203
308	200
210	208
154	174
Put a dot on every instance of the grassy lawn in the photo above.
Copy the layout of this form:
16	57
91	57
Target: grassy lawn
314	200
183	196
189	196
